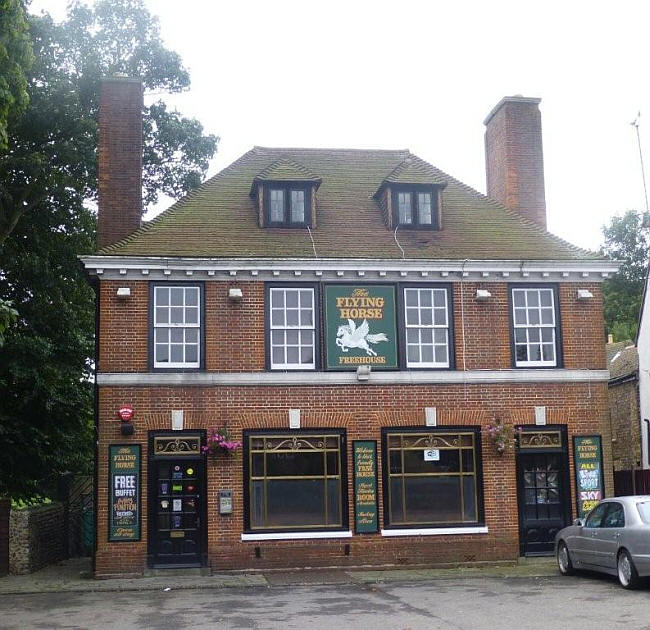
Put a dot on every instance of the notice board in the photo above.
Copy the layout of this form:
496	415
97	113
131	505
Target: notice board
588	460
124	492
366	519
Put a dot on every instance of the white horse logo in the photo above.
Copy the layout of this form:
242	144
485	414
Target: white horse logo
352	337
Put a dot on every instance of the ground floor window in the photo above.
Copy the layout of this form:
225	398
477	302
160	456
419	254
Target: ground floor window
295	480
432	478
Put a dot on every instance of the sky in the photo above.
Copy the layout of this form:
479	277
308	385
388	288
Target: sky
423	76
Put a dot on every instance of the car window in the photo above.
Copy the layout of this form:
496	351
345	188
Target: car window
615	516
644	511
596	515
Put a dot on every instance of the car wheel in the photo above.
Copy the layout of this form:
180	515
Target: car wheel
564	559
627	573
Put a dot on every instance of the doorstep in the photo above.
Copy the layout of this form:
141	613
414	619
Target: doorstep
170	572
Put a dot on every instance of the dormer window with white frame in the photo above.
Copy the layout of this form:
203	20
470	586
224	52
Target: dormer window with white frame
287	205
415	207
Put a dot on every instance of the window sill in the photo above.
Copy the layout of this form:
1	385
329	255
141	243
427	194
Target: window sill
434	531
295	535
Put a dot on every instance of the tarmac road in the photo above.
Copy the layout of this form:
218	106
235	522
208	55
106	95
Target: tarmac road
583	602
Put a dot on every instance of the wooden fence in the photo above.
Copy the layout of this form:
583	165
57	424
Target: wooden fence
628	482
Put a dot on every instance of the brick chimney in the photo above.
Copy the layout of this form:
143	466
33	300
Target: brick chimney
513	157
120	159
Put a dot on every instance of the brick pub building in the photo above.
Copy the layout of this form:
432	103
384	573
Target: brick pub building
357	319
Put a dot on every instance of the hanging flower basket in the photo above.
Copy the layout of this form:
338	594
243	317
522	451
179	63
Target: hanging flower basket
501	435
220	443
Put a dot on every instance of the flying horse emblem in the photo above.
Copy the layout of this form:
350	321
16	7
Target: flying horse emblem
349	336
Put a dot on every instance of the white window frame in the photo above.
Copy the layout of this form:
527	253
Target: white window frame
184	326
539	326
407	194
299	328
433	327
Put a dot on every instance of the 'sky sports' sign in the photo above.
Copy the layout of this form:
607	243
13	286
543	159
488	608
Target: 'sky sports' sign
360	326
588	459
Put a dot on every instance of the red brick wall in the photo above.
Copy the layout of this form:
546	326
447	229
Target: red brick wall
235	331
362	410
124	328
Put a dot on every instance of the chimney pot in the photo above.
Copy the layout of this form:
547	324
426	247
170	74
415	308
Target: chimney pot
120	159
513	157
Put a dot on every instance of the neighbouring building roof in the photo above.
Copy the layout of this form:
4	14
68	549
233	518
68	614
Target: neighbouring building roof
623	359
219	219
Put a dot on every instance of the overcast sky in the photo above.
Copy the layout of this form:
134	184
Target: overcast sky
423	76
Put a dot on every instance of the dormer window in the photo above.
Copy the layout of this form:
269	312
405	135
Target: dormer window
287	205
285	195
415	207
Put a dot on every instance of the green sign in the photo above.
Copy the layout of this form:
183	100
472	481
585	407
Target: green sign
124	492
360	326
365	486
588	459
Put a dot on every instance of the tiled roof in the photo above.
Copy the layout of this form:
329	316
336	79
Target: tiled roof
219	219
624	362
611	349
285	170
413	170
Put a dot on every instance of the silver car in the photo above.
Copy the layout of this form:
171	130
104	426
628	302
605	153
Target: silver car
614	538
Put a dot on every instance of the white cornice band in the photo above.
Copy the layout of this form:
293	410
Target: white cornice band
315	269
311	379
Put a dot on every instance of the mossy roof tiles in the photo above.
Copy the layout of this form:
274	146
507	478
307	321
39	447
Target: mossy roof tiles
413	170
219	219
624	362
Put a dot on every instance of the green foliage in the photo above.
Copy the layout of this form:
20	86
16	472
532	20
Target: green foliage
8	316
49	178
15	59
627	238
54	143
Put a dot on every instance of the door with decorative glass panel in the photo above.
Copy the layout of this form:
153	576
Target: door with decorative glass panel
176	503
543	499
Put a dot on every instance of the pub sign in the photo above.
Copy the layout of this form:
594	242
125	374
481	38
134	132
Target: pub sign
588	459
360	326
124	492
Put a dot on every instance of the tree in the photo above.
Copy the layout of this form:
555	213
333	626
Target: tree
627	238
54	143
8	316
15	60
48	177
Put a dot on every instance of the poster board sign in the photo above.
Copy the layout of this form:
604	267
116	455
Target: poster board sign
124	492
366	519
360	327
588	460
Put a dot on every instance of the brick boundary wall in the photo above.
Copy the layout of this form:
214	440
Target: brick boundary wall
36	538
5	510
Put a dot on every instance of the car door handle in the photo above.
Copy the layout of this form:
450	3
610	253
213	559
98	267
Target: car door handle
617	535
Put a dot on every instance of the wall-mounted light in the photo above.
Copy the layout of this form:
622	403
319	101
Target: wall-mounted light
584	294
430	416
294	418
482	295
235	294
123	293
363	373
